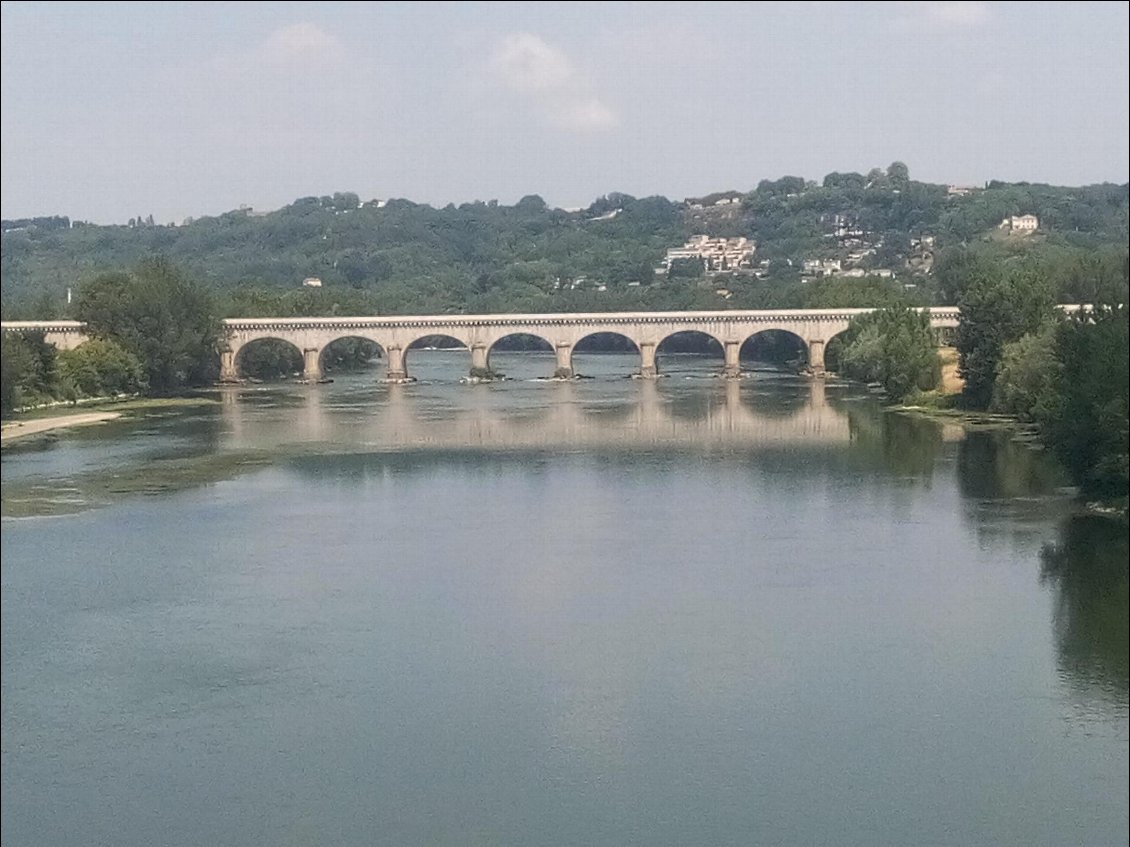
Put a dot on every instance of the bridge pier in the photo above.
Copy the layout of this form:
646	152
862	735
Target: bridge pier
397	372
312	364
480	362
648	367
228	371
816	357
733	366
564	351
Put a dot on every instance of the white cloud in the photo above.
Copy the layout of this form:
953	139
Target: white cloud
550	84
958	14
525	62
582	114
300	38
299	43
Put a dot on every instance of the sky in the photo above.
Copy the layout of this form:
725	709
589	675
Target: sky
117	110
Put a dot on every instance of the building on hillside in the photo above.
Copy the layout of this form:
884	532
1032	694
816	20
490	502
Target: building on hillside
716	254
312	282
821	267
961	190
1020	223
860	273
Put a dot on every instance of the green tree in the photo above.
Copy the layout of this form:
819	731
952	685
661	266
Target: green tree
27	371
1088	426
953	270
895	347
1027	380
786	186
847	293
996	308
685	268
101	367
898	175
845	181
161	317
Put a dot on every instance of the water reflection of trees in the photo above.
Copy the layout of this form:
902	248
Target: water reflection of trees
1087	568
992	464
903	445
1010	489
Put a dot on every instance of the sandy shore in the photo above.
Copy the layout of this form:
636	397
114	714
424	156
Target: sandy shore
19	429
952	383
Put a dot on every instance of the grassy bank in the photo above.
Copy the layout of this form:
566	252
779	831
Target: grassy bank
42	421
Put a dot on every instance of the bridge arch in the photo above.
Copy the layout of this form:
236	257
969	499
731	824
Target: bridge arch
604	342
834	349
775	344
690	341
517	342
266	357
347	352
443	342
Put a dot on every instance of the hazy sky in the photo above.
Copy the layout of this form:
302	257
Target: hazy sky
116	110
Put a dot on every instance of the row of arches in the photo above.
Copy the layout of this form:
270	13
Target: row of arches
274	357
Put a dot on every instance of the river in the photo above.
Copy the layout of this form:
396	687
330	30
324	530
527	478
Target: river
605	612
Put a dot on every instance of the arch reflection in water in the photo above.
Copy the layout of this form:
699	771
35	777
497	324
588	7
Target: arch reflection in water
539	416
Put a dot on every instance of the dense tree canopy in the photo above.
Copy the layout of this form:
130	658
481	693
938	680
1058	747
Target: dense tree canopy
895	347
484	256
1088	422
997	307
28	372
100	367
160	317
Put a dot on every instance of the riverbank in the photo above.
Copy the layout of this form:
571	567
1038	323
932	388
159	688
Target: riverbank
46	419
970	419
1117	509
12	430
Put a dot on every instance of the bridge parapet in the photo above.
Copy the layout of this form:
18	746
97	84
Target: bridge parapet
65	335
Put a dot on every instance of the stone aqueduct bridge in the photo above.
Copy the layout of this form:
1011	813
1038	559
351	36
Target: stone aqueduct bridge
479	333
562	332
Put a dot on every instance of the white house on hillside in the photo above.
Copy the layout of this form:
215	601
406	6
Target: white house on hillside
1021	223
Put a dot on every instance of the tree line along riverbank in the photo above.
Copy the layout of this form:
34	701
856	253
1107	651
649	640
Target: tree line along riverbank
154	333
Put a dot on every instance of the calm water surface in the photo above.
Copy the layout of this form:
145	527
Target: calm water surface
609	612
